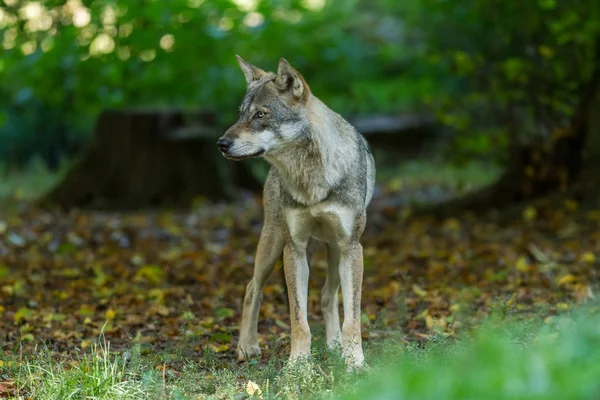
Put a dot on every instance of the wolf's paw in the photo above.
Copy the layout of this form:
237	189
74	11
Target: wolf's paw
247	351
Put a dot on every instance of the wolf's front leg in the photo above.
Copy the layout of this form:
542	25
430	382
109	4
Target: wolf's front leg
296	270
270	248
351	275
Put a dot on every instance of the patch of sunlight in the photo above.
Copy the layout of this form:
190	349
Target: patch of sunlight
10	3
313	5
10	36
43	23
81	17
31	10
102	44
253	19
167	42
125	30
290	16
246	5
183	18
86	34
225	24
37	16
7	19
47	44
28	48
123	53
111	30
195	3
109	15
28	183
147	55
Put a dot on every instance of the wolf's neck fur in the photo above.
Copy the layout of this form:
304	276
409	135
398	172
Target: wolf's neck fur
312	166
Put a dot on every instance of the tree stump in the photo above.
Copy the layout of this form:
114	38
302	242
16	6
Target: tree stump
403	136
148	158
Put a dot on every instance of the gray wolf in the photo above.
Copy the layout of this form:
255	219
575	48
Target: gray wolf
319	185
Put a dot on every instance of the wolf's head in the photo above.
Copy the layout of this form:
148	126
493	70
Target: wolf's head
273	113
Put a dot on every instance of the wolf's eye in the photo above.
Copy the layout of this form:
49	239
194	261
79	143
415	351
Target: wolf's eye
259	114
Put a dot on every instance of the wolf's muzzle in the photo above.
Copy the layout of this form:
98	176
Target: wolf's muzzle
224	144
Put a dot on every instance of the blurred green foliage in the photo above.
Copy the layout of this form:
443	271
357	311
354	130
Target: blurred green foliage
509	72
502	360
493	70
63	62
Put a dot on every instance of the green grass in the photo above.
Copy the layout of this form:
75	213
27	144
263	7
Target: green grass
435	173
560	360
502	359
18	188
21	186
419	173
97	374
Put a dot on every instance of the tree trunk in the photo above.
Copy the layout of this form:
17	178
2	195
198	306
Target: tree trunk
588	182
399	136
139	158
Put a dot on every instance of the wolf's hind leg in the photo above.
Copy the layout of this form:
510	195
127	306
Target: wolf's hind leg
270	249
329	297
351	274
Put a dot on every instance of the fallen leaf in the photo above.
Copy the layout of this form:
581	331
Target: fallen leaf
566	279
222	348
588	258
110	314
4	271
150	273
418	291
27	337
253	389
224	313
522	264
23	314
529	214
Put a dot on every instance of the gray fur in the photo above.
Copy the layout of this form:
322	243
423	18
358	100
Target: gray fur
319	186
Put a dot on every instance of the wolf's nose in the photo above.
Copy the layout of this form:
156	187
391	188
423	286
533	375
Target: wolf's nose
224	144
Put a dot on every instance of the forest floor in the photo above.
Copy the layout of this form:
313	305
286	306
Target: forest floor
164	289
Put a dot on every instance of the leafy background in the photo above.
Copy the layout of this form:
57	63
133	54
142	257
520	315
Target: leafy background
493	71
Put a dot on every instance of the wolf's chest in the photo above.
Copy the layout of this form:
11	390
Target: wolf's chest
327	221
308	195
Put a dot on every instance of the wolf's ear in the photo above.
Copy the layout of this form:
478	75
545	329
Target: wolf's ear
251	72
288	79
